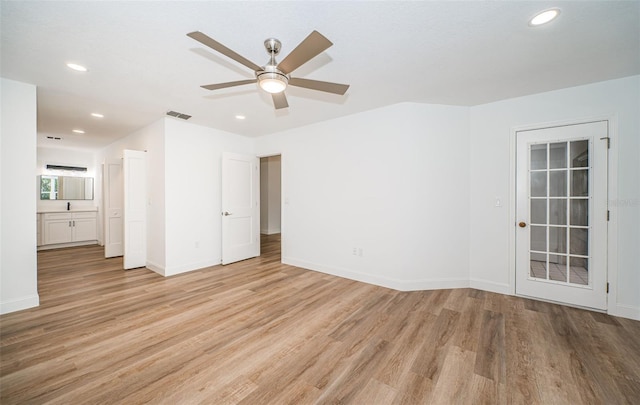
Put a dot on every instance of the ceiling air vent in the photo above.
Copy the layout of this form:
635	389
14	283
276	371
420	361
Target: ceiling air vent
57	138
178	115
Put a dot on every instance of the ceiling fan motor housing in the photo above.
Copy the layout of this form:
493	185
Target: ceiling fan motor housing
273	46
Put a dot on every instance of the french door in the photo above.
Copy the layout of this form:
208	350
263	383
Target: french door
561	214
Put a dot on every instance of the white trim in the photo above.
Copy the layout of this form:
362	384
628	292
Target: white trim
172	271
612	192
395	284
19	304
484	285
613	308
155	267
70	244
270	231
625	311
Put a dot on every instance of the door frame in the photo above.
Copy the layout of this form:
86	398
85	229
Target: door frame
612	195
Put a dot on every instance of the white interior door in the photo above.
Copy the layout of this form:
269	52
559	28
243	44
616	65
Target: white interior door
561	214
240	207
113	208
135	209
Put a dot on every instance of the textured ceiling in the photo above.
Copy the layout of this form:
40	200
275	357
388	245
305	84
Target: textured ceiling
142	64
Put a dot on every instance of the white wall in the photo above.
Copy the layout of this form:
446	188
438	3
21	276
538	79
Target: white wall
270	195
490	170
18	260
393	183
152	140
193	161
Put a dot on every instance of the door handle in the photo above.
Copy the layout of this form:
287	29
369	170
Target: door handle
522	224
226	213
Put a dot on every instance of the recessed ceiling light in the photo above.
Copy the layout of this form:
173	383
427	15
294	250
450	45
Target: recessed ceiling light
544	17
97	115
77	67
240	117
78	131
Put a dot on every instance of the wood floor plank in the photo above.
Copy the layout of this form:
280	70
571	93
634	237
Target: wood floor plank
432	353
454	379
490	361
259	331
519	347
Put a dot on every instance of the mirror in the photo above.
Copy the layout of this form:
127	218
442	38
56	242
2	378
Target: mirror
66	188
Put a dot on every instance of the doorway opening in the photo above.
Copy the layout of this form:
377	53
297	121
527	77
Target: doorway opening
270	203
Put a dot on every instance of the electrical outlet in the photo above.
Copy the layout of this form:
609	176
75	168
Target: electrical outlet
197	244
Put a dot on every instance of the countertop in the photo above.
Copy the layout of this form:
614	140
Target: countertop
59	211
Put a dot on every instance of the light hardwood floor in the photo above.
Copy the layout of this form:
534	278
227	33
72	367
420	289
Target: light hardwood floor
260	332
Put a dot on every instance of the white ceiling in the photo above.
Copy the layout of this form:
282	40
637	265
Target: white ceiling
142	64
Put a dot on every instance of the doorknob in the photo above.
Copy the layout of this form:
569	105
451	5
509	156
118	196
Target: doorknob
522	224
226	213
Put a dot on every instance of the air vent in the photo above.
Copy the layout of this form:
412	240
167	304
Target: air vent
74	168
178	115
57	138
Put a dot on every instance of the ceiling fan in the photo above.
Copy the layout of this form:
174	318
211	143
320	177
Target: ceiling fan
275	77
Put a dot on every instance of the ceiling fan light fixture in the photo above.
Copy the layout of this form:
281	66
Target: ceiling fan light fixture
272	82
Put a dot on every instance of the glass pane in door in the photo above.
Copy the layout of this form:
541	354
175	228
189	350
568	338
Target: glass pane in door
559	212
557	268
558	155
579	209
580	183
579	154
538	211
538	156
539	184
579	270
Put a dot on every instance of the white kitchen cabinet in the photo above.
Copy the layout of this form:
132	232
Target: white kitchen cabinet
69	227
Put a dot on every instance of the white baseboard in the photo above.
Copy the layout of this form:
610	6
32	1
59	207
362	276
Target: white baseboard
500	288
269	231
395	284
624	311
172	271
19	304
65	245
156	268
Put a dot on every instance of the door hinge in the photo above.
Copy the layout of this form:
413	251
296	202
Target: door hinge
608	141
607	288
608	214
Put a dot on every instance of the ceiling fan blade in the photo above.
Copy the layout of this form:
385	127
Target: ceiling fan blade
217	46
311	46
279	100
227	84
329	87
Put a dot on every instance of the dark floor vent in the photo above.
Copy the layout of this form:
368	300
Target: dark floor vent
178	115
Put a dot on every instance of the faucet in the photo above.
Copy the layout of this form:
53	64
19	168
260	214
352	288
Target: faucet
68	206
